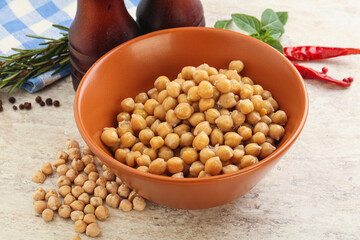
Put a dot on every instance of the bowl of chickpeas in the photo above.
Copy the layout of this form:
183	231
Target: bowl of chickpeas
191	118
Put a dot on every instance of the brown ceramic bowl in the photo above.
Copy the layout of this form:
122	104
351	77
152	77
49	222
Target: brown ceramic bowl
133	67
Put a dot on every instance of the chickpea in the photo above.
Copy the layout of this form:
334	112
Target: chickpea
96	201
186	139
71	143
203	127
196	118
63	181
175	165
39	206
217	137
128	104
143	160
206	103
101	212
253	117
101	181
141	98
248	160
48	215
172	140
153	93
90	168
39	194
109	137
63	190
195	168
246	91
258	90
100	191
76	191
182	98
127	140
266	150
245	106
224	122
131	158
123	190
181	129
150	152
189	155
236	65
90	217
193	94
62	155
230	168
92	230
155	125
160	112
64	211
279	117
178	175
211	115
227	100
173	89
137	122
139	203
171	118
237	155
252	149
80	226
68	199
169	103
201	141
204	174
59	162
80	180
157	142
259	138
76	215
223	85
232	139
84	197
268	107
108	175
125	205
49	193
266	119
213	166
149	106
161	82
124	127
162	95
87	159
183	111
143	169
273	102
38	177
89	186
150	120
123	116
205	154
62	169
224	153
205	89
113	200
200	76
185	87
188	72
165	153
247	80
261	127
163	129
232	75
46	168
276	131
121	153
245	132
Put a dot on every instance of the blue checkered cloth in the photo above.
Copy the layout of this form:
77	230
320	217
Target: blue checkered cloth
35	17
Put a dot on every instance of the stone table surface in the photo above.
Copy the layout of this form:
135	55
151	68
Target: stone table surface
313	193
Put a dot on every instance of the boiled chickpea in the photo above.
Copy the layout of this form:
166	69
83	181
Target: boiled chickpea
268	107
229	169
127	140
223	85
175	165
253	117
150	152
145	136
157	142
248	160
186	139
188	72
252	149
187	85
159	112
206	103
200	75
183	111
273	102
201	141
266	150
203	174
131	158
109	137
203	127
279	117
259	138
193	94
276	131
172	140
224	152
217	137
128	105
235	87
169	103
164	129
237	155
257	102
211	115
266	119
196	118
158	166
160	83
224	122
205	89
247	80
182	98
246	91
150	105
138	122
155	125
165	153
195	168
232	139
227	100
189	155
173	89
213	166
258	90
181	129
124	127
120	154
171	118
236	65
205	154
195	106
238	118
245	132
178	175
245	106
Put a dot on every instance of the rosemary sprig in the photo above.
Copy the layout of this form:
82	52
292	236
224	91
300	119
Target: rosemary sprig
28	63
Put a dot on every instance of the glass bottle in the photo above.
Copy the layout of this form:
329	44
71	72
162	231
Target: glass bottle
99	26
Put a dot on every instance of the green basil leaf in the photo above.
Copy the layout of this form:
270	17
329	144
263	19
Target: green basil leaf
270	20
275	44
222	24
274	33
283	17
247	23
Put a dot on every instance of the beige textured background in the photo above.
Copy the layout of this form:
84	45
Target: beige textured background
313	193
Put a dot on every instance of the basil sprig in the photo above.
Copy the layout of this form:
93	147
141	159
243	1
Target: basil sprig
269	29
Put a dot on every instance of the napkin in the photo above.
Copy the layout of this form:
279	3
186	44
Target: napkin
35	17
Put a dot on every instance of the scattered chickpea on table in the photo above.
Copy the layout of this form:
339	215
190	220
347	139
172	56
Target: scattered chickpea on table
204	123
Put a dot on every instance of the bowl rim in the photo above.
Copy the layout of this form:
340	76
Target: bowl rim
153	177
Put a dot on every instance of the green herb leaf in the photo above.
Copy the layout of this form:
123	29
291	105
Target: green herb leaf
274	43
270	20
222	24
274	33
283	17
247	23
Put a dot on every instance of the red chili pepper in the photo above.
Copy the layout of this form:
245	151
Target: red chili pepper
310	73
308	53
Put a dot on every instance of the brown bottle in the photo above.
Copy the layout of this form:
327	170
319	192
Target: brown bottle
99	26
152	15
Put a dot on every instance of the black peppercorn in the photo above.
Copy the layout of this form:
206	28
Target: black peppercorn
48	101
38	99
12	99
56	103
42	103
27	105
15	107
21	106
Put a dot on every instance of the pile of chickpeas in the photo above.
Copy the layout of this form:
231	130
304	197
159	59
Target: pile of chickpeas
204	123
82	188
